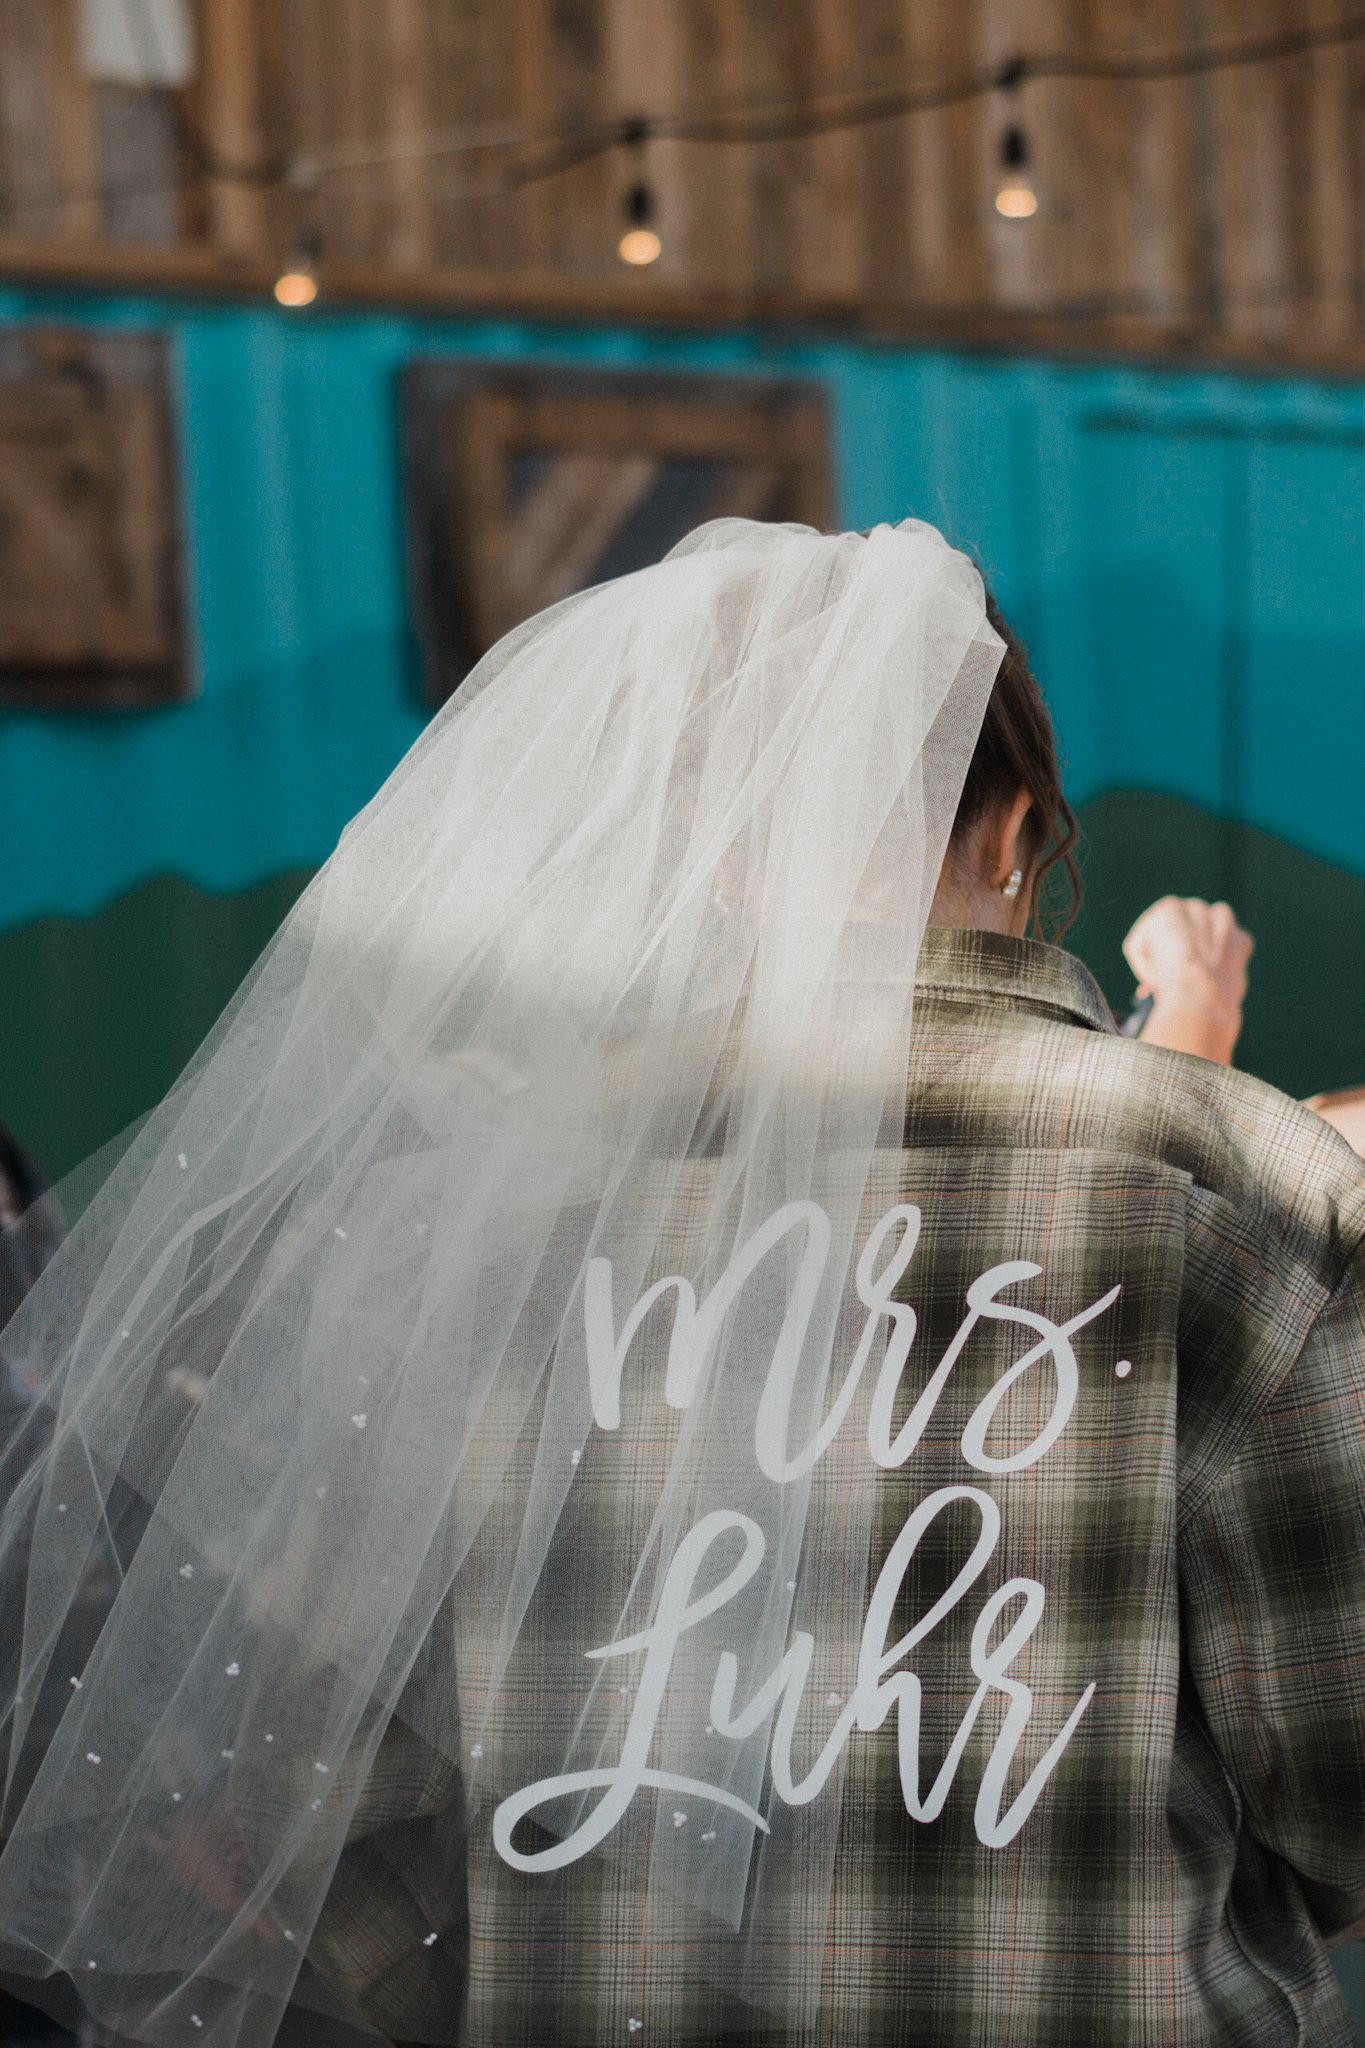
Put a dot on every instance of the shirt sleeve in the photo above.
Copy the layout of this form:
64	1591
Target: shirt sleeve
393	1931
1273	1579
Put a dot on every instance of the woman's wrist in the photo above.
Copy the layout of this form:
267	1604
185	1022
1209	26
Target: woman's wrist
1194	1013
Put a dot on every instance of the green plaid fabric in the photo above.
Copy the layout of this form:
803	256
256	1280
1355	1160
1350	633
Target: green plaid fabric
1199	1528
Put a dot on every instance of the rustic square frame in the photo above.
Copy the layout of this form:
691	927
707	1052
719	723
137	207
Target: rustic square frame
619	464
92	598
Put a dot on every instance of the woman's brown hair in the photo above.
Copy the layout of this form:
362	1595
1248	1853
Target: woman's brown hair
1017	749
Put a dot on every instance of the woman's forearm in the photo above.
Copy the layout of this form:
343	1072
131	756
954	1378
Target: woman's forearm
1194	1015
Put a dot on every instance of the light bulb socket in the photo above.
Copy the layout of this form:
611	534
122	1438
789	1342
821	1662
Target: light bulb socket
1014	148
306	250
639	207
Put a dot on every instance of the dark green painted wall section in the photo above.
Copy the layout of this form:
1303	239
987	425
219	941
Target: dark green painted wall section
101	1013
126	995
1305	1014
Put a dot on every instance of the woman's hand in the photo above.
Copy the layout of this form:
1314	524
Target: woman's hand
1191	958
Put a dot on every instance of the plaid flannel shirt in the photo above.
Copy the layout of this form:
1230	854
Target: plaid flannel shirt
1199	1528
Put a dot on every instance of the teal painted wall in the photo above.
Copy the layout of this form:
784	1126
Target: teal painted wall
1184	552
1147	528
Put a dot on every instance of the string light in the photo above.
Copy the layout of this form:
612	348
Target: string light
640	243
542	154
297	284
1016	198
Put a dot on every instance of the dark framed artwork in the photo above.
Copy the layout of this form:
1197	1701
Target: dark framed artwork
91	574
527	484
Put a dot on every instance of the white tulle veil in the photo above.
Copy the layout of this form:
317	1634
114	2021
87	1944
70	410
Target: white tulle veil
311	1392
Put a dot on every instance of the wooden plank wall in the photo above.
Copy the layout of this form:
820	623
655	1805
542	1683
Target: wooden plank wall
1218	214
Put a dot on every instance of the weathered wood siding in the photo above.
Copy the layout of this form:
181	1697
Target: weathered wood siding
1222	213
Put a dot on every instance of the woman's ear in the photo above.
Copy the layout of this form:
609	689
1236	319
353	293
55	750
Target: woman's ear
1008	850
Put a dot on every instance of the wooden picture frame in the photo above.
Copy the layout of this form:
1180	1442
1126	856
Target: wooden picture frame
91	570
525	484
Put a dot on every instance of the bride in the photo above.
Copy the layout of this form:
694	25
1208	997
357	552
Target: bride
669	1435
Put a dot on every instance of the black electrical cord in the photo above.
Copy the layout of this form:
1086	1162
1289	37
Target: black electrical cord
1142	67
861	110
564	152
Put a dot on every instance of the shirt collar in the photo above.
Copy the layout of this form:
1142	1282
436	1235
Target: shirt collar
979	964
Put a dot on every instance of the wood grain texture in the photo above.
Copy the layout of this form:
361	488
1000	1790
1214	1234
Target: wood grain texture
1212	215
229	99
90	603
72	115
32	199
409	110
1250	175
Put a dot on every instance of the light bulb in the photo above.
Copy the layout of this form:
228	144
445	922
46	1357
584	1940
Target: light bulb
295	288
1016	199
639	246
297	284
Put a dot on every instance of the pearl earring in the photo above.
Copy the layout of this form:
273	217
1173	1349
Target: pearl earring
1011	888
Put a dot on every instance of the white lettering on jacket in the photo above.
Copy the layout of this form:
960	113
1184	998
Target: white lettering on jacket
885	1683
